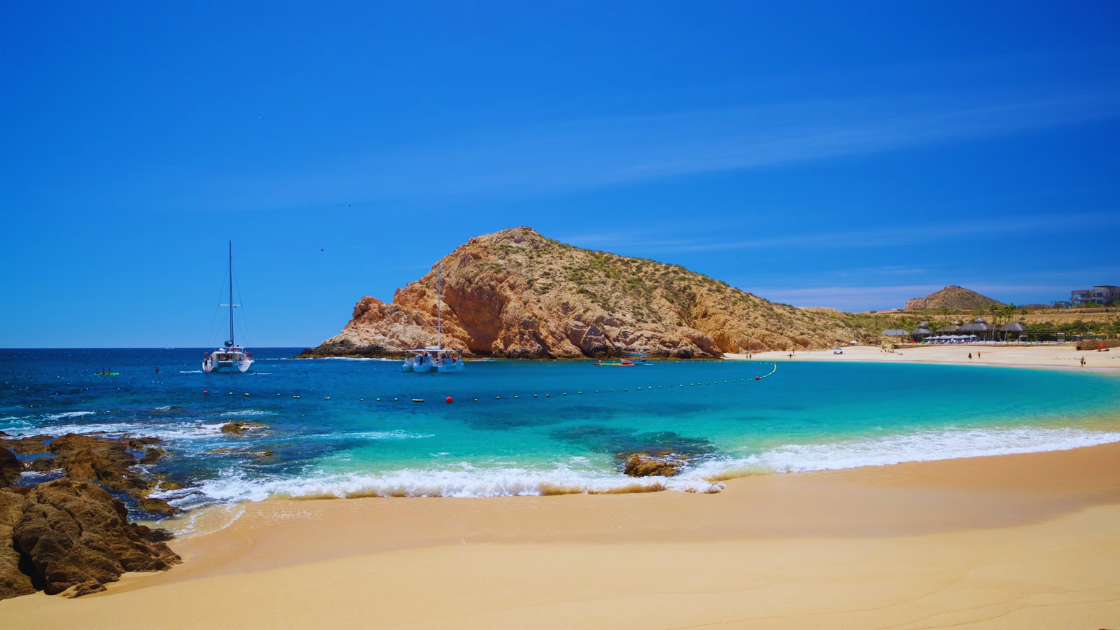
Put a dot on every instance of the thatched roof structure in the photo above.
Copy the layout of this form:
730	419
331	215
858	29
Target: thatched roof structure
1014	327
895	332
922	330
977	325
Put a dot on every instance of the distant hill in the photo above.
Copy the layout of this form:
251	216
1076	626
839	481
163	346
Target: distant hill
517	294
951	297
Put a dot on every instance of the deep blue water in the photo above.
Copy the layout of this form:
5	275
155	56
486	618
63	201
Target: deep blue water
523	435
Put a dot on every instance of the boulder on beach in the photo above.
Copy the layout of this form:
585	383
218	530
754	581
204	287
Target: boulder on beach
653	465
77	536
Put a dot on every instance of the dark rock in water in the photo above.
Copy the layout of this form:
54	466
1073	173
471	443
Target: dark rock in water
3	434
10	468
14	581
43	464
26	446
78	536
157	506
240	428
152	455
139	444
653	465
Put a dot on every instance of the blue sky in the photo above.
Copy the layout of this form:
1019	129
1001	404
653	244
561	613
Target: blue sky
821	154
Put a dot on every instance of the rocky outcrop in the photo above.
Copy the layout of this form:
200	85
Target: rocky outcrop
953	298
75	535
15	578
26	445
653	464
517	294
10	468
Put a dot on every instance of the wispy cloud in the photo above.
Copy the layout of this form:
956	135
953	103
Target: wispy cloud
598	152
890	236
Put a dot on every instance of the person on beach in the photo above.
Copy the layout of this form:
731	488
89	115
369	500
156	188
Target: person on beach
969	356
1082	361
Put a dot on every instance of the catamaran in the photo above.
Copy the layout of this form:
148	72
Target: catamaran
231	355
435	358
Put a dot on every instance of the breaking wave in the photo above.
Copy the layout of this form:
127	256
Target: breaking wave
706	476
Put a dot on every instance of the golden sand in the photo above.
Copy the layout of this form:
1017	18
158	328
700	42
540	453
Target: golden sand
1018	541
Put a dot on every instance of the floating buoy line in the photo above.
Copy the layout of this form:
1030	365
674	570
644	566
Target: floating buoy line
643	388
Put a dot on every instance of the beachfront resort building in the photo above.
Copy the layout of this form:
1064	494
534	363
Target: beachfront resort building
1102	294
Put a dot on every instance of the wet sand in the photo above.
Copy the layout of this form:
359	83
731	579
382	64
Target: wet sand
1016	541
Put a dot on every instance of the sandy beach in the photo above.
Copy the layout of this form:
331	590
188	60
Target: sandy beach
1016	541
1031	356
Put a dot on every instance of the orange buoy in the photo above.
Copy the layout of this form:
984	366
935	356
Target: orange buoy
449	401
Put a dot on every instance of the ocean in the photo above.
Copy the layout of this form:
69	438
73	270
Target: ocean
532	427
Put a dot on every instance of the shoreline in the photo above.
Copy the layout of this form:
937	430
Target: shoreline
991	356
1009	541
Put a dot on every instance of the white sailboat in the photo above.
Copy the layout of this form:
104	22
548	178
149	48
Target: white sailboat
231	356
435	358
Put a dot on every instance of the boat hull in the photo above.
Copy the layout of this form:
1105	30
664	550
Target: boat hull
225	361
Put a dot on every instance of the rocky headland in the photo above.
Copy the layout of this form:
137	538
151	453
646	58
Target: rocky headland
72	534
517	294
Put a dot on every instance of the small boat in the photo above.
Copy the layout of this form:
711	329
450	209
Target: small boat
231	356
622	363
435	358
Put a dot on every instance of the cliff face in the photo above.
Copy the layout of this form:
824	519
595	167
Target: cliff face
951	297
516	294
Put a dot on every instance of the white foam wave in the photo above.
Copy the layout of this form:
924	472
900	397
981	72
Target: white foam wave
70	414
467	480
63	429
190	371
170	431
917	447
392	435
247	412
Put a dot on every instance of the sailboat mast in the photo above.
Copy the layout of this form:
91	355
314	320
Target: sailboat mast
439	308
231	292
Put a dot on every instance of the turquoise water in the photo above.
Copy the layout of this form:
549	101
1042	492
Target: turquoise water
523	435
